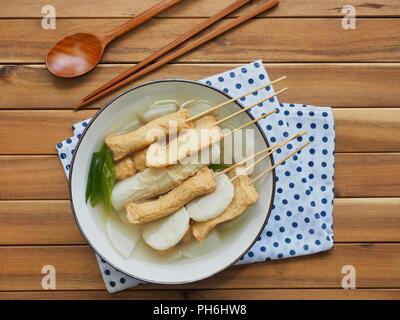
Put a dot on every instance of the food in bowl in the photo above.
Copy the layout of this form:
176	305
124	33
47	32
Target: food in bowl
163	186
189	260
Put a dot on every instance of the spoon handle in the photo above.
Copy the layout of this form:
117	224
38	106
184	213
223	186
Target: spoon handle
138	20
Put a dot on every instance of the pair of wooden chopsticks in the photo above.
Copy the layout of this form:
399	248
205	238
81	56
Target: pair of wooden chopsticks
143	68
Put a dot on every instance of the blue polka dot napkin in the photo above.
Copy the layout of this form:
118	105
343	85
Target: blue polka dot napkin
301	218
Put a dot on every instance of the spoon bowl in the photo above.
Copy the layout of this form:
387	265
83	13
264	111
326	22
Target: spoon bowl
79	53
75	55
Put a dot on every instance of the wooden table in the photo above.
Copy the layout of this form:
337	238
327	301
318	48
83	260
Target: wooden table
355	71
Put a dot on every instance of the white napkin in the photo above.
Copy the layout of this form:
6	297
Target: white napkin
301	218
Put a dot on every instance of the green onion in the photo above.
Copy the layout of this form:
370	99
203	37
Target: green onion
90	177
218	166
107	179
101	178
95	192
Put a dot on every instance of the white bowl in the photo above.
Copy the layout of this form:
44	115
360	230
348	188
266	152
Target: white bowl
91	221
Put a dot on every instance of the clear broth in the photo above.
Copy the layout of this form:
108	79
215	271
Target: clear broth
142	251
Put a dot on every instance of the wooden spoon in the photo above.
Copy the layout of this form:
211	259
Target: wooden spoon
79	53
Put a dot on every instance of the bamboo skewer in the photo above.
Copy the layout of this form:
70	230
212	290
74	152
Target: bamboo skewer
273	147
240	111
230	116
255	163
250	107
276	147
280	162
203	113
248	124
172	45
244	125
221	137
194	44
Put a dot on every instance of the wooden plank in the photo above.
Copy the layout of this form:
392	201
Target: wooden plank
339	85
372	219
27	177
296	294
356	175
243	294
377	266
286	40
372	130
23	132
37	132
204	8
38	222
367	175
52	223
99	295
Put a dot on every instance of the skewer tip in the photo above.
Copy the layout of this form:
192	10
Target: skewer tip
301	133
282	161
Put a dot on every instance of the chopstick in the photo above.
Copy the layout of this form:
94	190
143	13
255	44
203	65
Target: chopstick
196	43
203	113
271	148
173	44
280	162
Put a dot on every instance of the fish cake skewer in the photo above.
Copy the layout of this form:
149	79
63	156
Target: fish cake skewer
150	183
245	196
136	162
211	205
124	168
123	144
188	143
153	182
131	164
201	183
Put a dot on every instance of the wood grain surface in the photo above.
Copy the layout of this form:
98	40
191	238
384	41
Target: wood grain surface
377	130
195	8
357	72
40	177
334	84
24	40
377	265
50	222
200	294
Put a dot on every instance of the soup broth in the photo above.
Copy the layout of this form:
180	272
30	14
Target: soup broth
183	251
